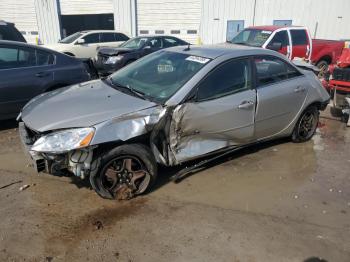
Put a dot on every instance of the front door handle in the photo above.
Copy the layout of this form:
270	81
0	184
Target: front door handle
42	74
246	105
299	89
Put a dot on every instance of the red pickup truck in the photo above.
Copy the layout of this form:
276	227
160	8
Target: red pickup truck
293	41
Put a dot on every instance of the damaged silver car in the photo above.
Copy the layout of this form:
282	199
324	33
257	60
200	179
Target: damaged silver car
168	108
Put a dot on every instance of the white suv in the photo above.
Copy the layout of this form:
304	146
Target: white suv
84	44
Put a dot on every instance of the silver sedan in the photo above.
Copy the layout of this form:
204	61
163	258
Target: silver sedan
170	107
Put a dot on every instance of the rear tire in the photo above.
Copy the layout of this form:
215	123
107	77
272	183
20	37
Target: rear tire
125	171
306	126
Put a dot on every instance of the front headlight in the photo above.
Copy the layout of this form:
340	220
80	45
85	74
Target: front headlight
63	141
113	59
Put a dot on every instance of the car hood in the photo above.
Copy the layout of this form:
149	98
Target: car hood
79	105
110	51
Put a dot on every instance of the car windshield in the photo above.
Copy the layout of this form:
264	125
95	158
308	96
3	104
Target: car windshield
159	75
71	38
251	37
134	43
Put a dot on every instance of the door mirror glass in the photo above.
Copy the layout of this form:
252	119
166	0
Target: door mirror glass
80	41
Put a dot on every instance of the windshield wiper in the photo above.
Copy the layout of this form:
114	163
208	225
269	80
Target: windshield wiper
137	93
240	43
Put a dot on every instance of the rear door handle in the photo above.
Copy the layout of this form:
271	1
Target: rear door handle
42	74
246	105
299	89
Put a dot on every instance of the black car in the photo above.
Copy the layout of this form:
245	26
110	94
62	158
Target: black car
27	71
110	59
8	31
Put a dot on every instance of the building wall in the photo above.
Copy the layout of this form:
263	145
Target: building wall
84	7
208	17
168	16
332	17
215	15
48	20
22	13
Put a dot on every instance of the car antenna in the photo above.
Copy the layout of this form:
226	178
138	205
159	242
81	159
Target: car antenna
187	48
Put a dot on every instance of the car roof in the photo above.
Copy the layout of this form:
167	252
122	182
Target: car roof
22	44
271	27
99	31
214	51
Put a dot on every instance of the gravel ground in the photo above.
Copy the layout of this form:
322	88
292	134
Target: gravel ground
274	202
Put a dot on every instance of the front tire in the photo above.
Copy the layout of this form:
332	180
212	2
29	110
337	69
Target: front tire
125	171
306	125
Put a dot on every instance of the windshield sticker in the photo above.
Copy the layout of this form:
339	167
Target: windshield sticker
165	68
266	32
198	59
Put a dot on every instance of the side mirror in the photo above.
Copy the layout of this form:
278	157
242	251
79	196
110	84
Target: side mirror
147	47
80	41
276	46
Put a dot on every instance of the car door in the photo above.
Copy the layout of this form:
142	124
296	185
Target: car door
24	73
300	43
87	49
281	93
282	38
220	115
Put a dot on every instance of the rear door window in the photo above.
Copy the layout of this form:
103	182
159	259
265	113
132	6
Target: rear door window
271	70
92	38
121	37
299	37
18	57
155	43
108	37
169	42
44	58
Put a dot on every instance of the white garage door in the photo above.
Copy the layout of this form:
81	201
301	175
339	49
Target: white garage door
179	18
83	7
22	13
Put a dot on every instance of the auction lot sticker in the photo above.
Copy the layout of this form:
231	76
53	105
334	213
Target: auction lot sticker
198	59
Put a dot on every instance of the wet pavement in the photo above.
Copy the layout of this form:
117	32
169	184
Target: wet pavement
277	201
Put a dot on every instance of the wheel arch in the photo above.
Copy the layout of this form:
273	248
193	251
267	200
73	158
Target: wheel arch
326	58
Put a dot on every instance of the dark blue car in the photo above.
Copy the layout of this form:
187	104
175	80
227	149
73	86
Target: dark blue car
27	71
